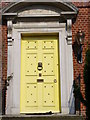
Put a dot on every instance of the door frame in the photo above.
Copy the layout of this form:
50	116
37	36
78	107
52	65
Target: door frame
66	66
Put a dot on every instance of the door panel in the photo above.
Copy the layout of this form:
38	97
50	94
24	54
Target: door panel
48	45
48	95
32	45
39	75
31	63
48	64
32	95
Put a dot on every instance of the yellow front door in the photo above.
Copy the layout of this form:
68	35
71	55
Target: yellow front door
39	75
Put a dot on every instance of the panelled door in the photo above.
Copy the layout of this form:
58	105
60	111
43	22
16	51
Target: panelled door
39	75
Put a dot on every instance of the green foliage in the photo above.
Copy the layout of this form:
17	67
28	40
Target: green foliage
87	67
87	82
77	92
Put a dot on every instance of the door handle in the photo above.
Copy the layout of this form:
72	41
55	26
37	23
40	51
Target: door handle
55	81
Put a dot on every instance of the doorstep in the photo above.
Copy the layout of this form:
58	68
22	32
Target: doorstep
41	117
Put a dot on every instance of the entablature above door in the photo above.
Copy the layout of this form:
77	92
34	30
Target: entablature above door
40	9
40	14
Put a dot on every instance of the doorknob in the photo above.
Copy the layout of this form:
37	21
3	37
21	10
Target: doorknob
55	81
39	66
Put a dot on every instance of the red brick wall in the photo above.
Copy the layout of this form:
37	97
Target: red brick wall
4	4
0	69
0	62
4	51
3	58
83	23
4	64
89	24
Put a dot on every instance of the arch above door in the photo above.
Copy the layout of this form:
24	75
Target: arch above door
60	7
35	18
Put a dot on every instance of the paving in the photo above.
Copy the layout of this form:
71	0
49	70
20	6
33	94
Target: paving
41	117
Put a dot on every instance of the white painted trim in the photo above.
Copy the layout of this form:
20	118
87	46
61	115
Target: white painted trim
69	31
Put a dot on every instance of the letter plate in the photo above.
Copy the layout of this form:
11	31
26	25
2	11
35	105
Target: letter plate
40	80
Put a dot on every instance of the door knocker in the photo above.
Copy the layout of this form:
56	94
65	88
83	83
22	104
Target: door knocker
39	66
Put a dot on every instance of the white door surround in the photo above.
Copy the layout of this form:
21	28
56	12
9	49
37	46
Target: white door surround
36	20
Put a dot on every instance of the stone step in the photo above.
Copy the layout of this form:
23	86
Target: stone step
41	117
